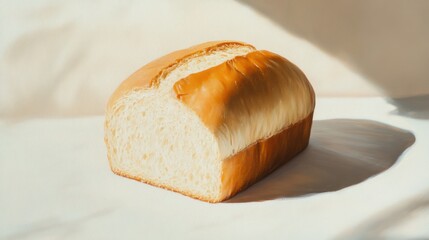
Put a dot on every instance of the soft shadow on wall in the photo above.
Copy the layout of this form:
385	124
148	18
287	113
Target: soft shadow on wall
385	41
341	153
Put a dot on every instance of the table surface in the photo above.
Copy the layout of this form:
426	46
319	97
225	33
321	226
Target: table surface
363	176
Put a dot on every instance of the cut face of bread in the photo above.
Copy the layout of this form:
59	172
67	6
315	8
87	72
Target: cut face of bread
208	121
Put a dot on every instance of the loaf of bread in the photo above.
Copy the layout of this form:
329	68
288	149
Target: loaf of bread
210	120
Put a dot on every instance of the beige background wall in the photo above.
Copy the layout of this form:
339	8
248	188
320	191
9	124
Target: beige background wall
65	58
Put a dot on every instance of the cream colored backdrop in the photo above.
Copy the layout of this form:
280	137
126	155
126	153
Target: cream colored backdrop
64	58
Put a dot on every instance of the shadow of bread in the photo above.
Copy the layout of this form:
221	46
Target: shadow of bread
413	107
341	153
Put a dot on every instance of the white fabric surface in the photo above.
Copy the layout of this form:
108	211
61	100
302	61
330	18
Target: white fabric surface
60	61
56	184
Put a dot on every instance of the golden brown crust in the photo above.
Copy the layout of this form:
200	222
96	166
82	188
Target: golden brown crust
255	162
260	75
148	75
247	98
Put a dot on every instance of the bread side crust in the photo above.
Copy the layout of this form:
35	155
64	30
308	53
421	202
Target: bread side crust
258	160
251	164
148	75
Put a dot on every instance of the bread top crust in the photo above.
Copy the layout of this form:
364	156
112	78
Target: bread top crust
251	81
149	75
247	98
241	101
